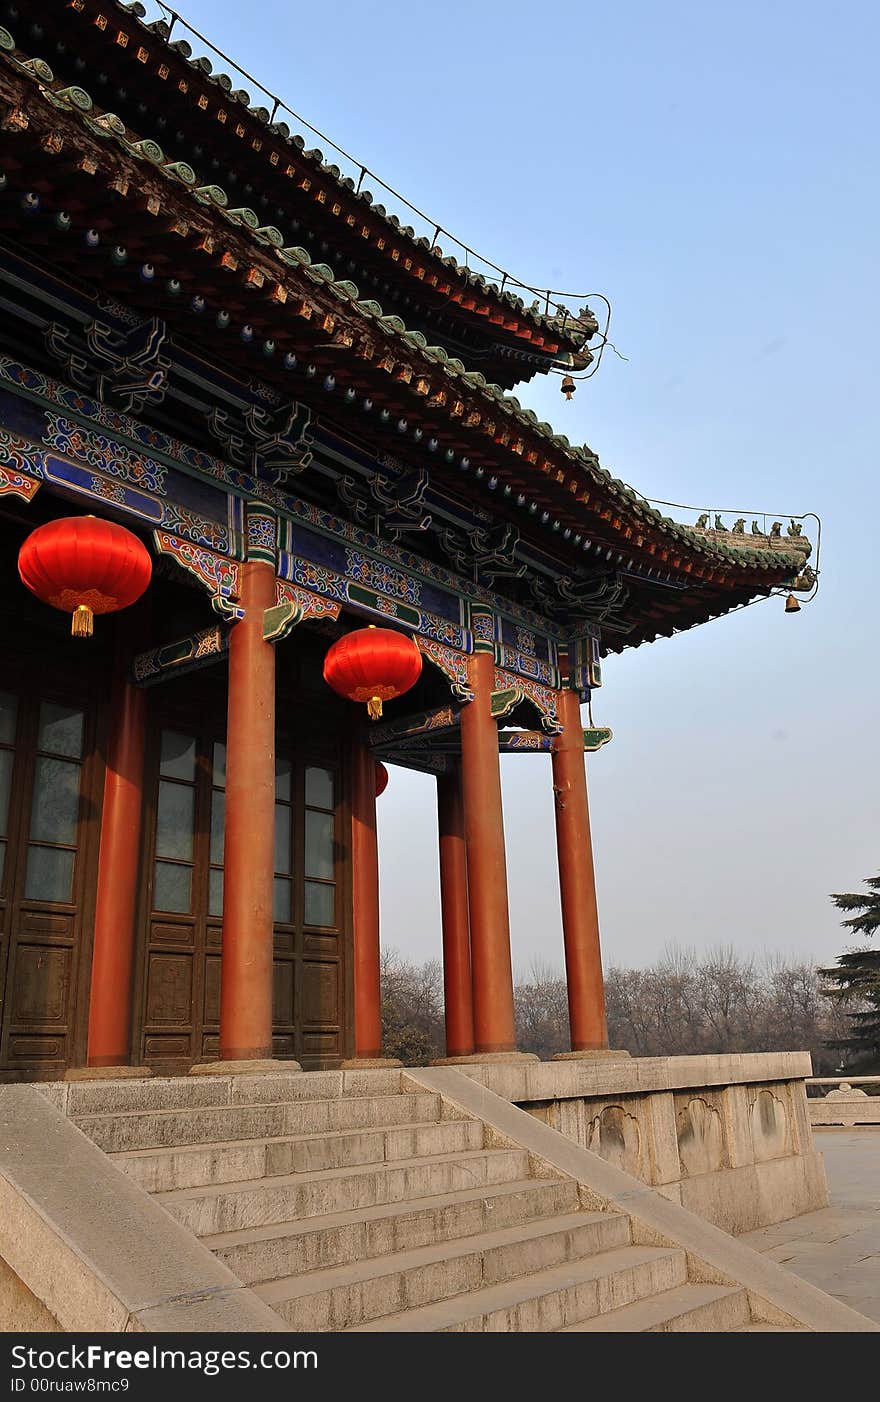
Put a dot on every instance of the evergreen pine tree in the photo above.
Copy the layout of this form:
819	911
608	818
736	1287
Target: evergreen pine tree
856	979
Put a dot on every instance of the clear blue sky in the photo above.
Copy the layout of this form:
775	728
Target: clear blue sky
713	170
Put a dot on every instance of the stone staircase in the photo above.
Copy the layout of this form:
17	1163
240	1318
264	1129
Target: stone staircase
353	1201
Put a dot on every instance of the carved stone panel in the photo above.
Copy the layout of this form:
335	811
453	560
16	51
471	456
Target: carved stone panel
768	1120
700	1138
615	1135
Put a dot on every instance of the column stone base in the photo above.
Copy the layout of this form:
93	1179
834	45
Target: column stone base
107	1073
598	1054
259	1067
370	1063
485	1058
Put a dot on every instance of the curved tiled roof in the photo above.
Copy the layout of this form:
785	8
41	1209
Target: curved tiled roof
634	510
566	328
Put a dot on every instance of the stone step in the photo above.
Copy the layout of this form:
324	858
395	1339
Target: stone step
155	1129
550	1299
359	1291
194	1092
686	1309
226	1208
289	1248
199	1165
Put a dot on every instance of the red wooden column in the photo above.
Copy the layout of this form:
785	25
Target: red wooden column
246	964
577	884
118	860
365	900
486	864
454	909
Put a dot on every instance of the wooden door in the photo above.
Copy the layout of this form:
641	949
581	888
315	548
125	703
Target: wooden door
311	901
48	833
182	898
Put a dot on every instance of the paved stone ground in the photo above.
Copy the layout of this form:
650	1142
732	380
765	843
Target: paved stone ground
837	1248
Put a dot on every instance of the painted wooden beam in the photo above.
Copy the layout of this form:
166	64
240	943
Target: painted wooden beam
189	654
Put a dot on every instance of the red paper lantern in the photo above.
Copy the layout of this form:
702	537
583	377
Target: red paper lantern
84	565
373	665
381	778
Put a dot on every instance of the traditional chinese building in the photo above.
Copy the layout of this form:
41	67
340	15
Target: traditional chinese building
212	338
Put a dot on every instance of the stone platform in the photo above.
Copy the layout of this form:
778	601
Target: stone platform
726	1136
407	1200
837	1248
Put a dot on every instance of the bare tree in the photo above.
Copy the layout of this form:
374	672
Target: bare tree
541	1009
731	993
412	1009
684	1004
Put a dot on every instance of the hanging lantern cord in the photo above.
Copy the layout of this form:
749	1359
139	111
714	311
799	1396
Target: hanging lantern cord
82	622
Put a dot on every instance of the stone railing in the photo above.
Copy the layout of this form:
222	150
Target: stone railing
847	1104
726	1136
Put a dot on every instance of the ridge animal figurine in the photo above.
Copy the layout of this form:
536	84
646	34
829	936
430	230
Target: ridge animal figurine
756	530
795	529
703	522
776	530
719	524
806	579
739	526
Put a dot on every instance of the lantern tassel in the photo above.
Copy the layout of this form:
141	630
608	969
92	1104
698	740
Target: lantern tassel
82	624
374	707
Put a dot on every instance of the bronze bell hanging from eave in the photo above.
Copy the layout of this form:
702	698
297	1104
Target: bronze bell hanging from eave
792	605
568	387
